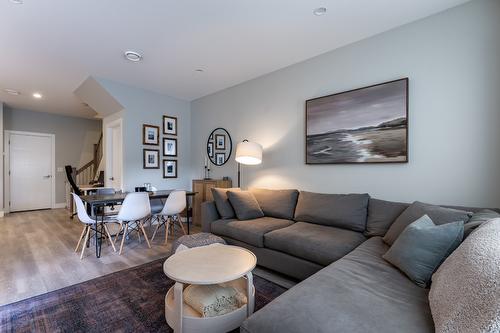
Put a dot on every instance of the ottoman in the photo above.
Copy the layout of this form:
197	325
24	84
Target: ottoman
196	240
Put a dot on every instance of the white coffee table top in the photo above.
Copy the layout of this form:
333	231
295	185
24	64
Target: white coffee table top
209	264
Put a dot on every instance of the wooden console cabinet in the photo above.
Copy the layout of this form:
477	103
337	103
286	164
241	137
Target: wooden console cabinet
203	193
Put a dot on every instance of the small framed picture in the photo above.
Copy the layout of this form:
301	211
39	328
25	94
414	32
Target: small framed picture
210	149
150	135
220	158
169	147
169	169
220	141
151	159
169	125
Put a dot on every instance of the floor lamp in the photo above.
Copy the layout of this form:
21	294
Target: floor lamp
247	153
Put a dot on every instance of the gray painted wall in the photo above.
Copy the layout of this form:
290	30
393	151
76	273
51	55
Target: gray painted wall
452	61
74	138
147	107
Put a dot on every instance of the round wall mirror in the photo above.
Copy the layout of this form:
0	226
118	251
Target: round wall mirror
219	146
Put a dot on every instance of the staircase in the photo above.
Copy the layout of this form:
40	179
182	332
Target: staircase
88	172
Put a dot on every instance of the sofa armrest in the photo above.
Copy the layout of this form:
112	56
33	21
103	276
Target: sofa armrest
209	214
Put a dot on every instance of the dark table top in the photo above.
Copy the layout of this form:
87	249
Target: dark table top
94	199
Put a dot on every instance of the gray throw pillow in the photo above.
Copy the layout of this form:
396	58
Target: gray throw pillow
438	214
245	205
423	246
222	203
276	203
347	211
477	219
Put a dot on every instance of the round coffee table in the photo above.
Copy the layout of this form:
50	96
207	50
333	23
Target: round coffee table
202	266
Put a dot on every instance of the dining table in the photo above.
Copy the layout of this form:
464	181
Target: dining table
97	203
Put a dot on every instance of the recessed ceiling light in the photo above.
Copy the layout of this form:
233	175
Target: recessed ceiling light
133	56
17	2
199	70
12	92
37	95
319	11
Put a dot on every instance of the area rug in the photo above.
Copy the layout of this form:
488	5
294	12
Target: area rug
131	300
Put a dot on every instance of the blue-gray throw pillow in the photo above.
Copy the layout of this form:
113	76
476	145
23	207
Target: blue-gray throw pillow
423	246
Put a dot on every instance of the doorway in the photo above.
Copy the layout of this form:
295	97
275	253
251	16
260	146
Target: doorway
114	155
29	172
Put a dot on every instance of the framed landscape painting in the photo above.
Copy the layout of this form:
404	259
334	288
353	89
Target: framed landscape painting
365	125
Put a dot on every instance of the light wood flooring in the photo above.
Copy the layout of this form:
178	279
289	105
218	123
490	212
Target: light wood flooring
37	254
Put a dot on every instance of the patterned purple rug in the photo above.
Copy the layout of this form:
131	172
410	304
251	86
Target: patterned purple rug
131	300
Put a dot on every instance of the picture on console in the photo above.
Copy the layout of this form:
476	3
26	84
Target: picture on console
365	125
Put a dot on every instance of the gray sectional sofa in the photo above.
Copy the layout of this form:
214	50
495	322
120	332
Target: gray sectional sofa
334	244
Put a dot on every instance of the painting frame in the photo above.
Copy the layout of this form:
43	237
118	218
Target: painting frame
165	169
406	127
146	139
145	158
223	146
169	120
165	145
210	149
217	155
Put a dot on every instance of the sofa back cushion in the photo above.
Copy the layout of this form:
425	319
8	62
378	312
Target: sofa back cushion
245	205
346	211
276	203
465	293
222	203
381	214
416	210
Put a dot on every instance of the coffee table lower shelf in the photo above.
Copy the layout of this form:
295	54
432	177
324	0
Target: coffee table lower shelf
193	322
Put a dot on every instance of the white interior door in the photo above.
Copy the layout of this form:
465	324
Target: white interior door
114	156
31	165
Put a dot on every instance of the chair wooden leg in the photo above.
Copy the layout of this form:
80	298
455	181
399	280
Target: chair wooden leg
118	233
159	219
85	242
144	232
80	239
123	238
109	237
167	222
180	223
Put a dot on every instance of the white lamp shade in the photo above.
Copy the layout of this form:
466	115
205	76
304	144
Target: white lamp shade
249	153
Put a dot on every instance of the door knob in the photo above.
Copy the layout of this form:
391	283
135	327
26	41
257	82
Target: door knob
112	178
48	176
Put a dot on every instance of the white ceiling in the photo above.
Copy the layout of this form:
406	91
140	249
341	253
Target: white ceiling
51	46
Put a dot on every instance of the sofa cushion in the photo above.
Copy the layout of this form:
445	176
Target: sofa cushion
359	293
276	203
381	214
423	246
465	291
317	243
479	218
245	205
346	211
249	231
416	210
222	203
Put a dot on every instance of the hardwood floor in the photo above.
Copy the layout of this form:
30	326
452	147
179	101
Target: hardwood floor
37	254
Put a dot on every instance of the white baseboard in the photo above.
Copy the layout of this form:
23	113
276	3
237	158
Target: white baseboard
2	213
59	205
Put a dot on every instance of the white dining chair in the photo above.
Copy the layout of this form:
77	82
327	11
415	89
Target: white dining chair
174	205
135	208
88	222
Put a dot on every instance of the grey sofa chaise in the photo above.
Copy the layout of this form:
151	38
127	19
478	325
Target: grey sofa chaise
334	244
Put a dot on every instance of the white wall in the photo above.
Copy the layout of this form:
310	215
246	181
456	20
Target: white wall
74	138
452	61
147	107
